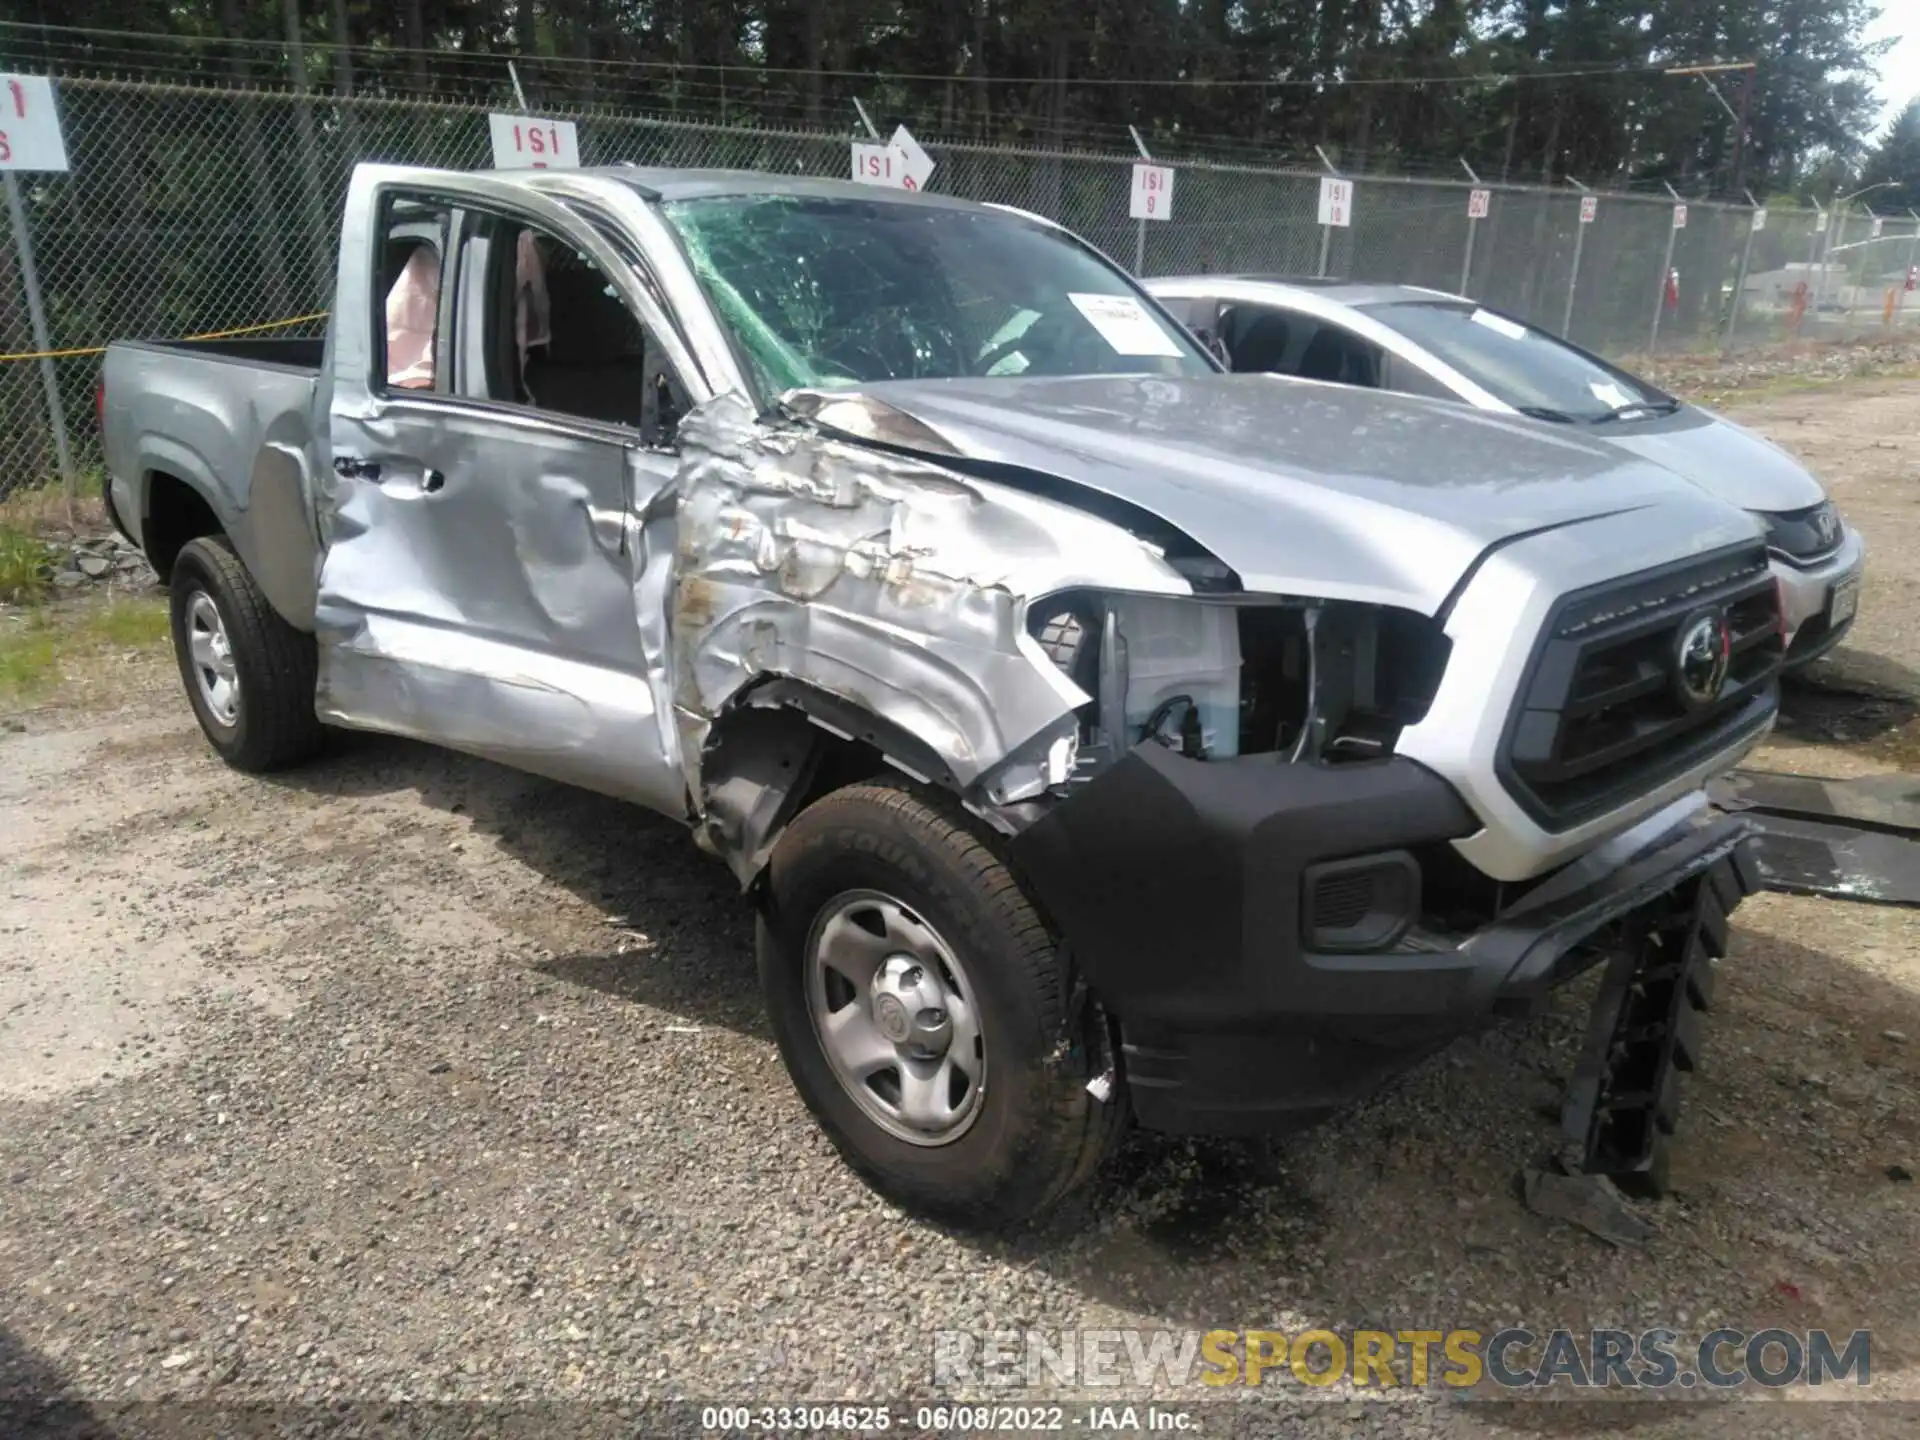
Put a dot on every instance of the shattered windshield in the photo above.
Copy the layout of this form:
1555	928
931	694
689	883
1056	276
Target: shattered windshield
826	293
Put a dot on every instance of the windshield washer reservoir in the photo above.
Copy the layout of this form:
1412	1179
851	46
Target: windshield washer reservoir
1180	647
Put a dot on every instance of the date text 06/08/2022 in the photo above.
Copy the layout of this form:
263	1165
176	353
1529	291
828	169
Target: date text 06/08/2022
943	1419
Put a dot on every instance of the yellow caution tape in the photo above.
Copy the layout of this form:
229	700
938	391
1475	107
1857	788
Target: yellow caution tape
210	335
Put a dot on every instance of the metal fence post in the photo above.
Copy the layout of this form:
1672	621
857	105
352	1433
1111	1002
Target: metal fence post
1740	284
1140	232
1913	245
1835	216
318	220
1660	292
1573	280
1473	225
37	321
1326	231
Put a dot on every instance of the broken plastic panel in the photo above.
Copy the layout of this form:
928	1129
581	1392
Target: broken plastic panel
1849	839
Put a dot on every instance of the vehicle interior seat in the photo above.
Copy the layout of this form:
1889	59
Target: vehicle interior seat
1261	343
1339	357
595	364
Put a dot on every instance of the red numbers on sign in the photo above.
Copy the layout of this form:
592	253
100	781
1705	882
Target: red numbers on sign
532	140
19	113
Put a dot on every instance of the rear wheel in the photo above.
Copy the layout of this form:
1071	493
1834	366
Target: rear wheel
925	1012
250	676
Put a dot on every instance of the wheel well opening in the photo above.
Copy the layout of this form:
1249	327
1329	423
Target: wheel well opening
176	513
767	761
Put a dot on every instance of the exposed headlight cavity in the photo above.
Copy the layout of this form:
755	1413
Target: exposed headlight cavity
1319	681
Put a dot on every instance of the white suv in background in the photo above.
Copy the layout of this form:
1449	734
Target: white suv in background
1427	342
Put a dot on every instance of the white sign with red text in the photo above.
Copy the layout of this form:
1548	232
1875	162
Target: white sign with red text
919	163
878	165
1589	209
1152	197
525	142
29	125
1336	201
900	164
1479	202
1679	217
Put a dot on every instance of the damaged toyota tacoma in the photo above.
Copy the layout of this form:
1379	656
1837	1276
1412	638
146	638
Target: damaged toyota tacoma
1101	737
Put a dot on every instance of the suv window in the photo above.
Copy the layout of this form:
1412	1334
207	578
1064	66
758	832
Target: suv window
1337	354
1285	342
1259	337
1409	379
1527	368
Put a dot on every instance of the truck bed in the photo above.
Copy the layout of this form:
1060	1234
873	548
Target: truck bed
232	420
298	353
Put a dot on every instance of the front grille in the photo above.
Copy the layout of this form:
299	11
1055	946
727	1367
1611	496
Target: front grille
1603	717
1806	535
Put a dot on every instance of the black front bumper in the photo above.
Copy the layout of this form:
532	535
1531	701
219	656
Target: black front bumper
1178	887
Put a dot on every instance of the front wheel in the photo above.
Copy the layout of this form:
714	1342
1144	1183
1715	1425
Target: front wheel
249	674
924	1010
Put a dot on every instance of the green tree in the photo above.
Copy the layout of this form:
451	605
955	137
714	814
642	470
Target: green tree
1381	84
1897	159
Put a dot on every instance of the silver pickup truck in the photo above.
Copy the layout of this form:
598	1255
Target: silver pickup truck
1100	736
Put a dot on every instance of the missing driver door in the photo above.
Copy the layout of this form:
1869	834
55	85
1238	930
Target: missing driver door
479	588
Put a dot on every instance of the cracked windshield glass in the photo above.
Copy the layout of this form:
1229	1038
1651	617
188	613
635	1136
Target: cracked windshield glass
830	293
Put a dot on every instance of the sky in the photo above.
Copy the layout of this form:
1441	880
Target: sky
1899	67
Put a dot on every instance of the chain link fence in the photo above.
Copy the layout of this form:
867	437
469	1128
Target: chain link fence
193	210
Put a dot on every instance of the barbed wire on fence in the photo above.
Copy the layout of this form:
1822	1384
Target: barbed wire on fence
196	207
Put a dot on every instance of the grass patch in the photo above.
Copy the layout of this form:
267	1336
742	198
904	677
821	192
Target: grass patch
27	660
131	624
45	509
24	566
37	645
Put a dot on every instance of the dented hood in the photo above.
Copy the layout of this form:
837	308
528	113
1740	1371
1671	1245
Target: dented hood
1300	487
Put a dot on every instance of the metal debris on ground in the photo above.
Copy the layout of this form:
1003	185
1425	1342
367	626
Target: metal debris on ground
1589	1201
1849	839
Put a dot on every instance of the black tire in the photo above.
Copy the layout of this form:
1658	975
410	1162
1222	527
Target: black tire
275	664
1038	1132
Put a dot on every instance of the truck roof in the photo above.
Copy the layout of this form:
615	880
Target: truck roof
1337	291
658	183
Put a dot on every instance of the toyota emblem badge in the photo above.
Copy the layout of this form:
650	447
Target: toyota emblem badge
1705	650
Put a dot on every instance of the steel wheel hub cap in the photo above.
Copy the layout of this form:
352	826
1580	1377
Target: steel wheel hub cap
211	653
894	1014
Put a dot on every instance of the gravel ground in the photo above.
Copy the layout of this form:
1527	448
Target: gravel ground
406	1076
